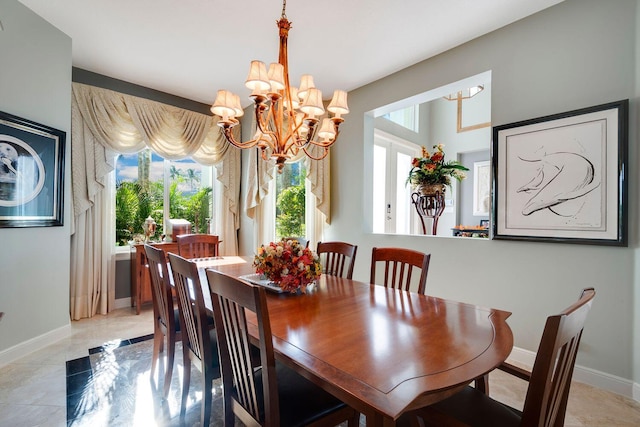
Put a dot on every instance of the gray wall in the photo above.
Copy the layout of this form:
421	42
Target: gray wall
123	279
35	83
634	135
576	54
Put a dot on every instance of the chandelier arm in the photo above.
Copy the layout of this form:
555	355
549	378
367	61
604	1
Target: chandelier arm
324	144
232	140
312	124
261	122
291	138
327	144
325	151
278	119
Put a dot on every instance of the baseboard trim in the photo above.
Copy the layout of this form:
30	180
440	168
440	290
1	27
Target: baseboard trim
122	303
24	348
592	377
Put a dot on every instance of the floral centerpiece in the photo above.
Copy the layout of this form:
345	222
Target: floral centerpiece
431	169
289	264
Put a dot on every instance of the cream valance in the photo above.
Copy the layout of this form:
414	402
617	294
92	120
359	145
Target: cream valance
105	121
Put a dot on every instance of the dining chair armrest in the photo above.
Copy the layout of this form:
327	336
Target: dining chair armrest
482	383
515	371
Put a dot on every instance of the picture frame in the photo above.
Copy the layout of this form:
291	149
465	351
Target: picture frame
31	173
481	188
563	177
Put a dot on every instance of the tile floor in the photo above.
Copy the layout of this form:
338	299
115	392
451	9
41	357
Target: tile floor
63	384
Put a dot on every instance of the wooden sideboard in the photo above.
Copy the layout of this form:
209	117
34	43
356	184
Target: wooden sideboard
141	292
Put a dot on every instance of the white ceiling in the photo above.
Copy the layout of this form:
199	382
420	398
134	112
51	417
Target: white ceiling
192	48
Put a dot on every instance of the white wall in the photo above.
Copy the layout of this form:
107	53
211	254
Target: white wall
576	54
35	83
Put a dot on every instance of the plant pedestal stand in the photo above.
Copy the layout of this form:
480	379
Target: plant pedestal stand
429	206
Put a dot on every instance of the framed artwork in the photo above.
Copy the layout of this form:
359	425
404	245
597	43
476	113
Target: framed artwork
31	173
481	188
562	178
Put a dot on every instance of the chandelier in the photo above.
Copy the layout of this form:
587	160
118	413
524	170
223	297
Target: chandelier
286	117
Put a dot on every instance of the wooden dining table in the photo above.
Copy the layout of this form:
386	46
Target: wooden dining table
382	351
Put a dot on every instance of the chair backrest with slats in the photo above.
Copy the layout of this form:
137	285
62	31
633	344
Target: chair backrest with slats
191	306
548	392
230	298
198	245
336	256
161	286
399	264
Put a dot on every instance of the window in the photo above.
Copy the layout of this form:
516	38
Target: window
290	219
391	165
407	117
148	185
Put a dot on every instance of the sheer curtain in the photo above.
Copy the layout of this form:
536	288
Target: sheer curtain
260	206
104	123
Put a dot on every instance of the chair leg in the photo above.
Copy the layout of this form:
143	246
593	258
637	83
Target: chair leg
229	416
206	396
158	340
482	384
354	421
186	379
171	352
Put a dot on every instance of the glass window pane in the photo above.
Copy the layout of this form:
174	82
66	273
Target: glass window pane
190	193
138	194
403	194
407	117
290	201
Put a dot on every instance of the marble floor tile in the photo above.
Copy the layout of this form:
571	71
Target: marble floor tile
64	385
16	415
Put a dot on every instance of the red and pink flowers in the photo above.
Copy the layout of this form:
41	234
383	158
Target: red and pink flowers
289	264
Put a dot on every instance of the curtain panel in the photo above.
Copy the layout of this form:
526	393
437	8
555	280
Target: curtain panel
261	172
104	123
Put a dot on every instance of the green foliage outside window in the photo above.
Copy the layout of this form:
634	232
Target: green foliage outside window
290	202
134	204
290	211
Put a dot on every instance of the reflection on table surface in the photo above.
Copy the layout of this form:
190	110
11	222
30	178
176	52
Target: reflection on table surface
381	350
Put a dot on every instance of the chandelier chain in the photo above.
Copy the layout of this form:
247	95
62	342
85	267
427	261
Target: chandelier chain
284	6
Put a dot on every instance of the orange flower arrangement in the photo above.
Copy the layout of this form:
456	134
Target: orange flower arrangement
289	264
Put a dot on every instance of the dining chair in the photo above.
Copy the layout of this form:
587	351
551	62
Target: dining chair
166	318
199	341
399	264
335	256
273	395
198	245
303	242
549	382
